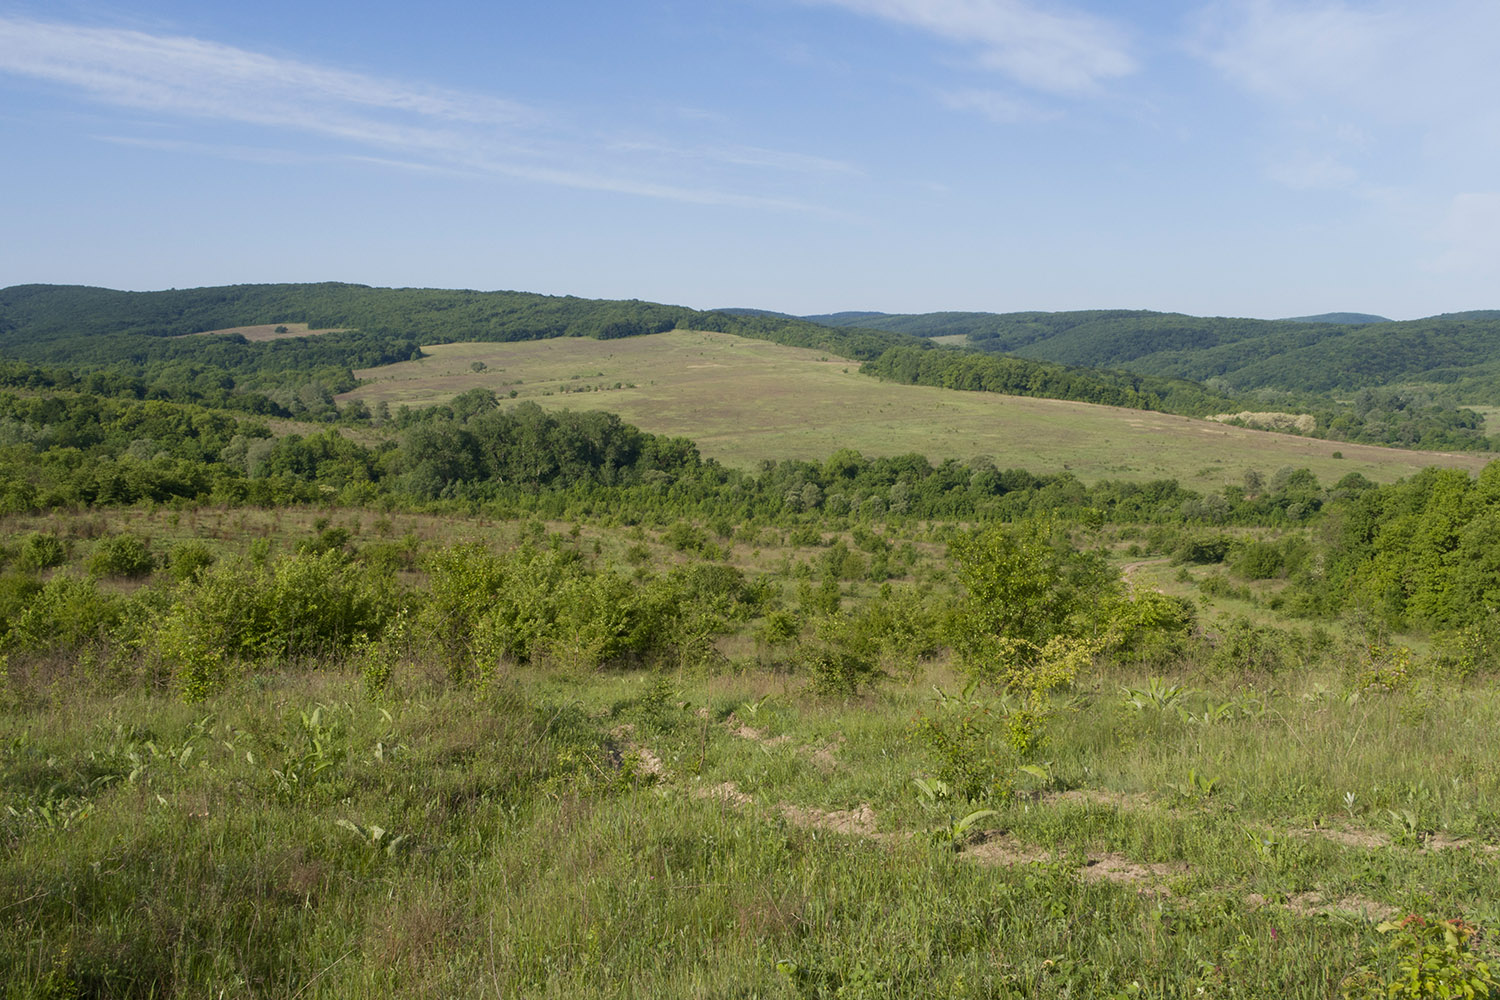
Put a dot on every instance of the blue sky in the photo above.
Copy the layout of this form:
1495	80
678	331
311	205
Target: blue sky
1226	157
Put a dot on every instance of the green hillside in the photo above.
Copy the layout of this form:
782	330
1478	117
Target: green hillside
1347	318
67	323
1459	352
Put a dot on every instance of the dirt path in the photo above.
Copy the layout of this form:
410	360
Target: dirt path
1130	569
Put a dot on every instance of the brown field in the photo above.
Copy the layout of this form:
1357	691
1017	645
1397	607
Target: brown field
744	401
267	331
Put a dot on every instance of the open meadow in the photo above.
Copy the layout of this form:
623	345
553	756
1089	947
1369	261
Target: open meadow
744	401
1231	811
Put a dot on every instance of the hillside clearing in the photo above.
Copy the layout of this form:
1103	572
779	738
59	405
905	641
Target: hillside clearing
745	401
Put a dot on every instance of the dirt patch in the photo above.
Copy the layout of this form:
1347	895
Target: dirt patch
1147	878
726	791
646	761
745	732
1129	570
1300	423
1375	839
857	822
823	756
1306	904
1003	850
1098	797
1368	839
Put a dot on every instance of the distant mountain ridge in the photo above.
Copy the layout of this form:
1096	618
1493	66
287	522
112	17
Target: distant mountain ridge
1347	319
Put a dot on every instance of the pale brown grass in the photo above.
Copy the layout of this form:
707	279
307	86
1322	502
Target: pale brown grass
745	401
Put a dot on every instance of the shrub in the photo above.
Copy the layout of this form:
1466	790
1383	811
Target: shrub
1259	561
1025	585
973	754
189	560
1203	550
1247	648
39	552
123	555
66	614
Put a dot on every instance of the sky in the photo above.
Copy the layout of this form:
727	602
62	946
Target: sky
1259	158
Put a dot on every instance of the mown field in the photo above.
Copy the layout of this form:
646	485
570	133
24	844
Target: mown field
1234	813
745	401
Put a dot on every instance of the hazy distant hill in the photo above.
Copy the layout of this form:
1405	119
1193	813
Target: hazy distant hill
1348	319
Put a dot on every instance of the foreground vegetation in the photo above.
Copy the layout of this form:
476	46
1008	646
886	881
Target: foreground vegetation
333	752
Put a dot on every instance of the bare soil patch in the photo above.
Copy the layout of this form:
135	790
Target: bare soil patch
1099	797
856	822
1306	904
1147	878
725	791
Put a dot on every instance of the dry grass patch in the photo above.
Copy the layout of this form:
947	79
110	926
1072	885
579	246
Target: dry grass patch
744	401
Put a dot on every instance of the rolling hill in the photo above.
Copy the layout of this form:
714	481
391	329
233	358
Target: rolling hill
1459	352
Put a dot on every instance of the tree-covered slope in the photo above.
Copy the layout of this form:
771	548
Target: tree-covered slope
1461	350
71	324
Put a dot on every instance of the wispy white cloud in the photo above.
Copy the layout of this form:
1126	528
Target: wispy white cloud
1045	48
742	156
1313	172
1003	109
411	125
1371	77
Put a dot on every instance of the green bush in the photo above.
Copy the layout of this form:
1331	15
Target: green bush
66	614
1025	585
1247	648
123	555
295	606
40	551
1203	550
1259	561
188	561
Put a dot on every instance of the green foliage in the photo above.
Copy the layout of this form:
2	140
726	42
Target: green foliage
188	561
40	551
1424	958
65	615
973	756
293	606
1245	648
123	555
1149	627
953	369
1028	598
1202	550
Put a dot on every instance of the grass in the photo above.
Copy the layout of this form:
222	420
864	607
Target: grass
148	842
726	833
745	401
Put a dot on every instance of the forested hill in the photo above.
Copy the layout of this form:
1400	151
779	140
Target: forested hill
1459	351
69	324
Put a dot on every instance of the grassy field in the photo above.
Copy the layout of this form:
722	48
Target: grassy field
1179	830
746	400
